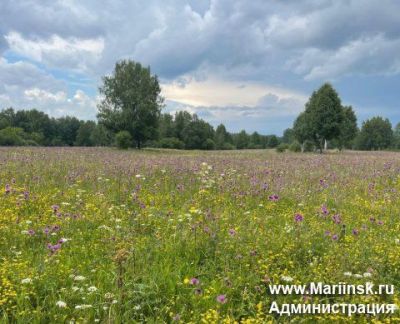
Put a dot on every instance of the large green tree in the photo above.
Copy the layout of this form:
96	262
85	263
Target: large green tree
323	116
376	134
132	101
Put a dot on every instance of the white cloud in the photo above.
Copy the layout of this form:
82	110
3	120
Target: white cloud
370	55
69	52
44	96
221	93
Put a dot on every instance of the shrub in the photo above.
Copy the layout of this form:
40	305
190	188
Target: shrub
12	136
308	146
123	140
208	144
282	147
228	146
171	143
295	147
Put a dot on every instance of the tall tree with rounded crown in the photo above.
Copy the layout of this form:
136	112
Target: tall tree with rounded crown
132	101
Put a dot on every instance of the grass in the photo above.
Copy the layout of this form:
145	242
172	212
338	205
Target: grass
100	235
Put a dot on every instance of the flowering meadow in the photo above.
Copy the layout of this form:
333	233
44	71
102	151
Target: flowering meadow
100	235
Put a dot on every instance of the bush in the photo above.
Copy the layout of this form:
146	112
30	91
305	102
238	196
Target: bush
282	147
123	140
308	146
295	147
228	146
208	144
12	136
171	143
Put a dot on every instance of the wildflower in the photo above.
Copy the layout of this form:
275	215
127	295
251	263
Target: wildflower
336	219
298	218
347	274
108	295
79	278
355	231
198	291
186	281
273	197
55	208
222	299
31	232
324	210
61	304
176	318
397	241
380	222
232	232
287	278
335	237
356	275
7	188
92	289
26	281
194	281
367	274
83	306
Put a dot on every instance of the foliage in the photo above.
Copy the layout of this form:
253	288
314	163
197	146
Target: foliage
376	134
123	139
295	147
132	101
282	147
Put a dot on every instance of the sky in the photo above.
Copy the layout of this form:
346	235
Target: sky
248	64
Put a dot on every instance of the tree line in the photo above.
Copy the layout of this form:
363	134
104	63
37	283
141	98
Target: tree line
129	115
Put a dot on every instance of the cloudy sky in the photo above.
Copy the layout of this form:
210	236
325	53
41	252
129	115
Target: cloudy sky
249	64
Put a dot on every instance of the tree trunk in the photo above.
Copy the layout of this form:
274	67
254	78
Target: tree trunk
138	144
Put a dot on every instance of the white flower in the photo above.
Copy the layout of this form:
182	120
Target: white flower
347	274
84	306
28	222
115	301
367	274
26	281
138	176
358	275
61	304
79	278
74	288
287	278
108	295
397	241
92	289
25	232
63	240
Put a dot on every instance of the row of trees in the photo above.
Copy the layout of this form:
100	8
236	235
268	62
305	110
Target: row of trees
326	123
130	116
33	127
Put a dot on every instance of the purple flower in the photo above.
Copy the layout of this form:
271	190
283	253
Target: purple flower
198	291
273	197
55	208
31	232
372	219
222	299
176	318
355	231
298	218
380	222
335	237
336	219
7	189
232	232
327	233
324	210
194	281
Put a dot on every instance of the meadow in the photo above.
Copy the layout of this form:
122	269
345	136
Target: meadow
100	235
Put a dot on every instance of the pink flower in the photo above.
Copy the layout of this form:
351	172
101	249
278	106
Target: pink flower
222	299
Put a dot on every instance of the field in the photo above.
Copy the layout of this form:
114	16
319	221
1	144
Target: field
100	235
